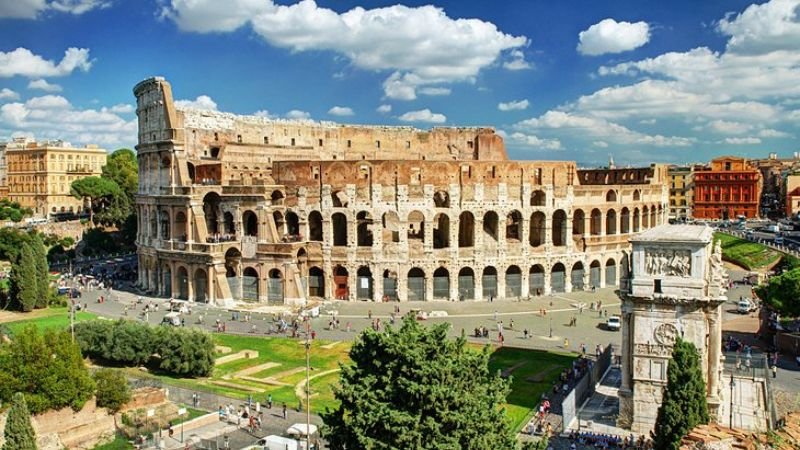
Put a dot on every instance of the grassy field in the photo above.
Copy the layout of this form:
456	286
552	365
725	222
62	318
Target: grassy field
750	255
45	319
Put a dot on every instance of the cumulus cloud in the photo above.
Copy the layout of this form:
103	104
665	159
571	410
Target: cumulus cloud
770	133
43	85
296	114
419	45
8	94
600	144
384	109
340	111
122	108
610	36
264	113
532	141
30	9
25	63
742	141
517	61
767	27
726	127
54	117
201	102
423	115
514	105
434	91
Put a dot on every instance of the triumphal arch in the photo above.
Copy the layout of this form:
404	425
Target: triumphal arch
676	290
235	207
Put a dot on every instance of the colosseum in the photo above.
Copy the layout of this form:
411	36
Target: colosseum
247	208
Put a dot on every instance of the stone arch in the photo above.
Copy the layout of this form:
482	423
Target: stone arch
339	199
611	272
280	222
441	199
341	283
250	284
636	220
277	197
536	279
514	226
416	284
558	279
637	195
611	195
364	229
625	221
596	223
653	219
611	222
316	282
315	226
364	283
576	276
578	222
416	227
594	273
490	224
513	282
183	283
275	286
489	282
559	228
537	231
441	283
538	198
466	229
389	285
250	223
466	284
441	231
645	217
292	223
339	222
211	210
201	293
391	227
228	224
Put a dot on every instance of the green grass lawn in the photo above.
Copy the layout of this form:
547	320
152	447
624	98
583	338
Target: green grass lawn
47	319
120	442
750	255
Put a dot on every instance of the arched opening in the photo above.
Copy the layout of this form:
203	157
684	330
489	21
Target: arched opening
576	276
578	222
611	272
441	231
364	283
233	261
653	221
293	225
513	226
441	283
391	227
211	211
489	282
441	199
179	231
466	229
659	217
611	196
625	269
490	221
339	199
250	222
513	282
315	226
536	280
201	286
537	232
416	229
645	218
183	283
364	229
594	273
625	221
167	281
390	285
250	284
611	222
637	195
339	230
341	283
596	223
559	228
466	284
228	225
316	282
558	279
280	223
416	284
276	197
165	231
275	286
538	198
192	172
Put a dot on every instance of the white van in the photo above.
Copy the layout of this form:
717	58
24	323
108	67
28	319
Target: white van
745	307
274	442
172	319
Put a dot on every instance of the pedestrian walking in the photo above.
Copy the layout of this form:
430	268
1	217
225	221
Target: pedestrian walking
284	410
566	343
269	401
495	315
774	371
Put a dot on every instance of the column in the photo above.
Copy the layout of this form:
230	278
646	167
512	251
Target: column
453	278
190	283
567	278
428	284
377	285
548	288
627	351
525	279
714	351
501	284
211	295
479	285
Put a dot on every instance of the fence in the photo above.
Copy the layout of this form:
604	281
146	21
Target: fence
756	366
584	388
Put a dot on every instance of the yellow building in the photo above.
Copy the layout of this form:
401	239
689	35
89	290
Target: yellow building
681	192
39	174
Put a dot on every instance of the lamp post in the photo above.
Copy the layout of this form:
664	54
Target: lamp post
551	326
730	419
308	384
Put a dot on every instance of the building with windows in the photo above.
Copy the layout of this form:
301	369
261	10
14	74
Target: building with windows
39	174
729	188
249	208
681	192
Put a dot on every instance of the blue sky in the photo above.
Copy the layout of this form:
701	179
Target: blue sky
644	81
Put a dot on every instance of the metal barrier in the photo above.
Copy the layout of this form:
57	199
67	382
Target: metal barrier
584	387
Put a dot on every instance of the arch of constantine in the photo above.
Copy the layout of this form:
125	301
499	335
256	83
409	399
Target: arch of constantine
248	208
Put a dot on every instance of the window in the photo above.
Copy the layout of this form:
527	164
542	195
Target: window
216	136
292	142
657	286
239	138
266	140
728	165
469	144
377	144
408	144
320	142
349	143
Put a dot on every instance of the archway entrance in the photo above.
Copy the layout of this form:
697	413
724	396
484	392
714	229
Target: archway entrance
416	284
200	286
611	273
489	282
341	283
390	285
316	282
167	284
275	286
577	276
536	280
364	287
250	284
513	282
594	274
466	284
441	283
558	279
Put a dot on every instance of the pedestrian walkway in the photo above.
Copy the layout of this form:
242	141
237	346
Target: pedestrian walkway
599	413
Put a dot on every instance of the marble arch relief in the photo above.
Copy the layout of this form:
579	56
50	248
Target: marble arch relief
668	262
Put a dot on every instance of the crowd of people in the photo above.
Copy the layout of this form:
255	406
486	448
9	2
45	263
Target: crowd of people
608	441
216	238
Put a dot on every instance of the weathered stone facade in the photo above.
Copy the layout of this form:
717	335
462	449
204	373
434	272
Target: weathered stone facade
677	287
241	207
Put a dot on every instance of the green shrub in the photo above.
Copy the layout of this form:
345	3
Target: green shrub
112	389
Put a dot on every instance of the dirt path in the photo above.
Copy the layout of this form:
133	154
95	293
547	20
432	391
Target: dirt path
299	388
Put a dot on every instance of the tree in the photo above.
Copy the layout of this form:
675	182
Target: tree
19	432
23	284
42	272
683	405
782	293
99	191
416	388
122	168
112	389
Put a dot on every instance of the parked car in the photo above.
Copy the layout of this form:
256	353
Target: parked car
69	292
172	319
745	306
613	323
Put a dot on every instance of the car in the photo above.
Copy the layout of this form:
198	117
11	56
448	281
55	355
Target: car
69	292
171	319
613	323
745	306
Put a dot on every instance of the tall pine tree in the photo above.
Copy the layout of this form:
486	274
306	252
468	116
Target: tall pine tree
683	405
19	432
42	272
23	285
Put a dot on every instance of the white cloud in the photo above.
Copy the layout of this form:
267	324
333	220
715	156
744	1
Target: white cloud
384	109
517	61
610	36
770	133
25	63
434	91
264	113
514	105
423	115
296	114
742	141
30	9
53	117
648	121
201	102
419	45
529	140
340	111
122	108
43	85
8	94
600	144
725	127
764	28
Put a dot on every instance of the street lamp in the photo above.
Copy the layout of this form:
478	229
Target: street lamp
551	326
308	384
733	384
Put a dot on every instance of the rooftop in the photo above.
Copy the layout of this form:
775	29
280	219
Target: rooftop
676	233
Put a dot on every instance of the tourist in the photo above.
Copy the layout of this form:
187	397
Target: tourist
525	333
566	343
774	371
284	411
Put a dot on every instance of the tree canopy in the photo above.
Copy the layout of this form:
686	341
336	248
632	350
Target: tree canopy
683	405
416	388
122	168
782	293
19	434
100	192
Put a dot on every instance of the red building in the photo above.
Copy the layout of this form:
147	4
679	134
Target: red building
731	187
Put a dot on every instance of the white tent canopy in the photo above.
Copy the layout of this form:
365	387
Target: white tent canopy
299	429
